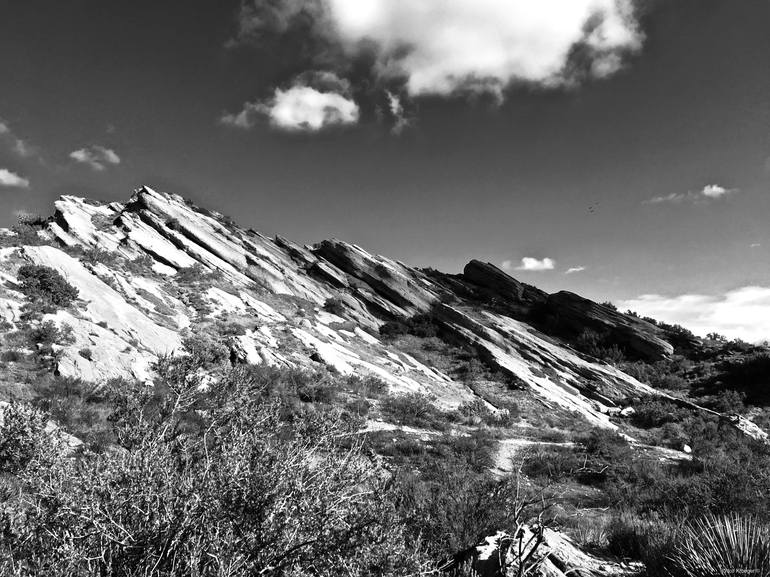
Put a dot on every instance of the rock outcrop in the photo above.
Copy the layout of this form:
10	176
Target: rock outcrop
157	265
502	285
575	314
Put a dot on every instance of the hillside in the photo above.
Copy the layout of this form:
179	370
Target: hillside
420	359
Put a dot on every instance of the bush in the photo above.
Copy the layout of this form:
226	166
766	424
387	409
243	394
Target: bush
48	333
11	356
750	375
423	326
22	436
205	350
46	285
414	410
599	346
232	490
335	306
97	256
652	412
649	539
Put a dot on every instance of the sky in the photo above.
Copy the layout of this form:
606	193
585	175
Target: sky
619	149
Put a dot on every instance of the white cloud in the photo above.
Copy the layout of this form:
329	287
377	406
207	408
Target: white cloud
299	109
575	269
97	157
709	192
533	264
19	146
396	107
506	265
714	191
442	47
741	313
12	180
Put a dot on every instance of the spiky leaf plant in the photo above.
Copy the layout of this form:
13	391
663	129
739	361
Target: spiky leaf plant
722	546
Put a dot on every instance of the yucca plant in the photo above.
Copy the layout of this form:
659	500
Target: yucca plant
722	546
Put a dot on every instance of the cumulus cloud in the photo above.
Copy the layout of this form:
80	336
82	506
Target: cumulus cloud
17	145
445	47
534	264
575	269
97	157
12	180
741	313
708	193
312	104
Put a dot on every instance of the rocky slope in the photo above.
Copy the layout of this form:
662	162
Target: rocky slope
151	268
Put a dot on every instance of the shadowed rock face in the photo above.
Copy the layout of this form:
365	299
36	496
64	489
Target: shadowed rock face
575	314
499	284
323	303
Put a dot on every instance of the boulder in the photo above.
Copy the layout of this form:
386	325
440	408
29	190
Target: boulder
498	283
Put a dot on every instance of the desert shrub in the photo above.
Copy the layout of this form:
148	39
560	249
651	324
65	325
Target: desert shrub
11	356
196	275
669	374
422	325
82	409
729	401
358	407
22	436
205	350
102	221
750	375
606	444
255	495
335	306
46	285
682	339
97	256
552	462
229	329
140	265
367	386
649	539
722	546
599	346
393	329
449	506
653	412
86	354
26	235
413	410
476	412
47	333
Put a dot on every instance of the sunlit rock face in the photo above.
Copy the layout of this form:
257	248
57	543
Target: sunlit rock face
302	306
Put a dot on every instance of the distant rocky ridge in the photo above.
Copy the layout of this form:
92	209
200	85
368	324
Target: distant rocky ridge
132	308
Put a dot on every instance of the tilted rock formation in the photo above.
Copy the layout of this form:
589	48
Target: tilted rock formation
502	285
137	264
576	314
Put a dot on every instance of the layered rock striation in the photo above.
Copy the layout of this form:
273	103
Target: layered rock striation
304	305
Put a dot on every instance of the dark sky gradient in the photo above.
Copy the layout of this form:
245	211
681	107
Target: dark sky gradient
150	79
